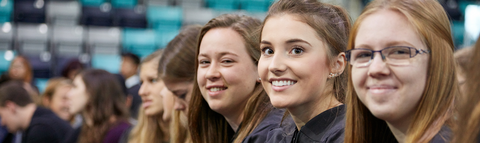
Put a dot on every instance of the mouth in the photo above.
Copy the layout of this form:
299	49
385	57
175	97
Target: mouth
280	83
215	89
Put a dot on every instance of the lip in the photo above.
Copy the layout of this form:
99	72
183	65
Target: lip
214	94
281	88
381	89
146	103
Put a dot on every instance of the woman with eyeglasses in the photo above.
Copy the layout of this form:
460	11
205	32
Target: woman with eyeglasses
402	81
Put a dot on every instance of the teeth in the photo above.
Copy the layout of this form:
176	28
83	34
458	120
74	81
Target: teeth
216	89
283	83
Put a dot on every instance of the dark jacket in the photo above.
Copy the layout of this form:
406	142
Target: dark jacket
270	122
326	127
46	127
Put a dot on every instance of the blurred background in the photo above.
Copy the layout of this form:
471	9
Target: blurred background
51	34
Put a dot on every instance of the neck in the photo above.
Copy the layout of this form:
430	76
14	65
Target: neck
28	111
234	119
305	112
399	129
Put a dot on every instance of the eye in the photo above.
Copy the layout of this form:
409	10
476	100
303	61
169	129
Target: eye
297	50
267	51
204	62
183	96
365	54
154	80
227	61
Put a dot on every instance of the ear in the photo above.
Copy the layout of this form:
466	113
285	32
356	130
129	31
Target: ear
45	101
10	106
339	64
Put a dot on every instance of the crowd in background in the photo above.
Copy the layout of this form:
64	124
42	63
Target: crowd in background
307	73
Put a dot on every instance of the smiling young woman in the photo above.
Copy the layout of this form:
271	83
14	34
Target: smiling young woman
402	81
301	66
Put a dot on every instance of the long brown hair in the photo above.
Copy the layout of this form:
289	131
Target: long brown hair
150	128
106	101
469	112
177	64
28	77
435	107
330	22
210	126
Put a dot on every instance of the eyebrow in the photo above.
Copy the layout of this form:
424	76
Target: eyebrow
389	44
288	41
221	54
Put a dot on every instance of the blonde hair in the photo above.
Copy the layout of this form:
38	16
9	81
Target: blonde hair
469	113
436	105
150	128
179	128
52	86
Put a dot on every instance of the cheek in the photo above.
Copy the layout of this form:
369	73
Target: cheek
201	80
359	77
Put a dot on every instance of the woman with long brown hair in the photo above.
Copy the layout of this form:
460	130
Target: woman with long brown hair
98	97
402	82
228	102
177	70
301	66
155	112
468	122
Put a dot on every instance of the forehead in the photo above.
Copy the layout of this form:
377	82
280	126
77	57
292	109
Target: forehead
220	40
286	26
386	28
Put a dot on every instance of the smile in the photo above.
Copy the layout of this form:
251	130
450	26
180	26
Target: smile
215	89
283	83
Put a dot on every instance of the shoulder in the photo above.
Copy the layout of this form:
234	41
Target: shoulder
124	138
271	121
41	133
443	136
114	134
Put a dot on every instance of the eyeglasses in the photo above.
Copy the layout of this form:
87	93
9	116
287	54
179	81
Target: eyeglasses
395	55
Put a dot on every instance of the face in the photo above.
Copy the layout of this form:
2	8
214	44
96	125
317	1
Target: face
150	89
182	90
294	64
77	96
128	67
59	102
390	92
168	103
226	74
10	118
18	70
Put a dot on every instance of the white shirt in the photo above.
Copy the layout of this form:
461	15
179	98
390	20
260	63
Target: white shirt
131	81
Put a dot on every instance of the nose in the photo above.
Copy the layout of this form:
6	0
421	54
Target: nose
143	90
179	106
378	67
212	72
277	65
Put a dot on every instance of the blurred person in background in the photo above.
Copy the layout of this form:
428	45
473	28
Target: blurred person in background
128	69
463	58
402	79
72	68
20	69
98	97
55	98
157	106
177	70
468	129
20	113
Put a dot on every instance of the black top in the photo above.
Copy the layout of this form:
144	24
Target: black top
73	136
443	136
326	127
270	122
46	127
136	100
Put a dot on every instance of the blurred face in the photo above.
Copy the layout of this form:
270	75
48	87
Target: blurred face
17	70
10	118
168	103
128	68
294	64
390	92
226	74
77	96
182	91
152	101
59	102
